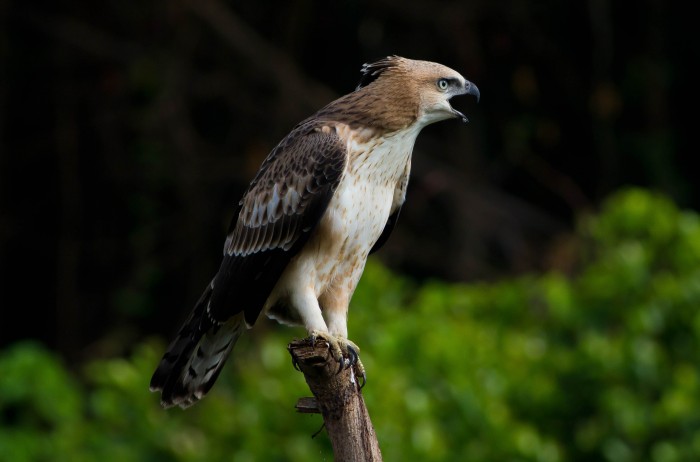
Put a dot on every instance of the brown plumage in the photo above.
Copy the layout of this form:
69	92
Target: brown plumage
327	196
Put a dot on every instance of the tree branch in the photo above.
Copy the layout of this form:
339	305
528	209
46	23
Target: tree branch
338	399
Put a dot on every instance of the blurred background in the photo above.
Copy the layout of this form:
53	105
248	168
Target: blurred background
128	131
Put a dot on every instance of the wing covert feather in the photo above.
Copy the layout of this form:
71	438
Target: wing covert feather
277	213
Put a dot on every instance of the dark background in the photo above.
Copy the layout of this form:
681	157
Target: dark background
129	129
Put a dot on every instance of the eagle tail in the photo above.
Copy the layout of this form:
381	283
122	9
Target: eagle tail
193	361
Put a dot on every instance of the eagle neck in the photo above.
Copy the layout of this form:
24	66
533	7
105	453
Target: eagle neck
370	108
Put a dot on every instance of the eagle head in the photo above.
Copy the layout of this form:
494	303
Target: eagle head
421	86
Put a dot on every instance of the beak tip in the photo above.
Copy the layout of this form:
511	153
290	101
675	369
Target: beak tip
473	90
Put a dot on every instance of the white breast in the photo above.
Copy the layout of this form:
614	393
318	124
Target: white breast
335	256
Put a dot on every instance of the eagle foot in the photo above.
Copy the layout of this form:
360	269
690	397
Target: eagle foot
344	351
353	360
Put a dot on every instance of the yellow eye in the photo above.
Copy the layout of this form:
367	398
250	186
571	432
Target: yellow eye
443	84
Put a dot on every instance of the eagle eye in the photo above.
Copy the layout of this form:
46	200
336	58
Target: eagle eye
443	84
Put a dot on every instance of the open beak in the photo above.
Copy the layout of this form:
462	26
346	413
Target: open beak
469	89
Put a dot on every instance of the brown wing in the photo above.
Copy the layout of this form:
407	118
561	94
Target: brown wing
276	216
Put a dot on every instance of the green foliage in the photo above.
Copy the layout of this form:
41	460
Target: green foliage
602	365
46	415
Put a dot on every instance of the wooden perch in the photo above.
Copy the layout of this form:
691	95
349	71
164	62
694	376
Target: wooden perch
338	399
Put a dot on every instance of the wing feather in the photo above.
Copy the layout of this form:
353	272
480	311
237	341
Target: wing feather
399	199
386	232
276	216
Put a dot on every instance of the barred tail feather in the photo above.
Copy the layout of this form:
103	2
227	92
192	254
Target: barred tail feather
194	360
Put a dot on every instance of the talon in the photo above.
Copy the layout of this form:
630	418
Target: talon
354	356
360	372
313	337
364	381
356	363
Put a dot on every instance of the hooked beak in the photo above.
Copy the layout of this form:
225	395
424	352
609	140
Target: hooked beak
469	89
